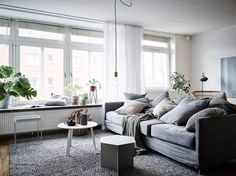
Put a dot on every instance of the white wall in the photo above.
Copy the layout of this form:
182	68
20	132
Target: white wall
207	49
183	56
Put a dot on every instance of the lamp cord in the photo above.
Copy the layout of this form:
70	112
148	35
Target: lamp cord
128	5
115	7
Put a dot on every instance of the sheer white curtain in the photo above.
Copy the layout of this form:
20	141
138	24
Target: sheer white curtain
129	66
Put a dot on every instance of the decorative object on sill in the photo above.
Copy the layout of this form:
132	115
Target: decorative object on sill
203	79
20	86
93	90
57	100
179	83
115	15
84	100
74	90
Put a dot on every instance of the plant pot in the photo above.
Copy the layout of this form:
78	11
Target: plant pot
93	88
5	102
75	100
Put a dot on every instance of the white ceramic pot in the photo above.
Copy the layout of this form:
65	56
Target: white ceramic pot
5	102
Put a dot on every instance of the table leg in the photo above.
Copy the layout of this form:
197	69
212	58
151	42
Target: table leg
41	128
93	139
69	139
15	132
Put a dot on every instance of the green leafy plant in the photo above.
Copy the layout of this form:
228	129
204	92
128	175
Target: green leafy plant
75	89
84	100
94	82
19	87
179	83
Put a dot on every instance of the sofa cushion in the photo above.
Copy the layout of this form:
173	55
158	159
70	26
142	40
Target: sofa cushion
179	98
174	134
145	126
222	95
223	104
159	98
183	111
131	107
163	107
115	117
209	112
133	96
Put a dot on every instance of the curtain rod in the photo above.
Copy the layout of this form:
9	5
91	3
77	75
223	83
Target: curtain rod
52	14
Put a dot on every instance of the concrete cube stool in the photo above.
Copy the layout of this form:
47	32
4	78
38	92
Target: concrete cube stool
117	152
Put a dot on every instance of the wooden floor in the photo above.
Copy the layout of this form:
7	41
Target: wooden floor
4	158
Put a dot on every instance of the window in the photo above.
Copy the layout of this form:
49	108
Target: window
156	61
87	56
50	82
51	59
51	56
40	70
34	30
4	27
86	65
4	50
86	36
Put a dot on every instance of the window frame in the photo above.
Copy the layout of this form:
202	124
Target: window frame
157	49
14	41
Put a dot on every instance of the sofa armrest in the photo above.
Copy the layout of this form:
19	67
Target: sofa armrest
111	106
215	140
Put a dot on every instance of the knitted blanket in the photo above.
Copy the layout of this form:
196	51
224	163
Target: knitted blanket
131	128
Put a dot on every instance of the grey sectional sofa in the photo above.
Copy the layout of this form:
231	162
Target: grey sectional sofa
213	143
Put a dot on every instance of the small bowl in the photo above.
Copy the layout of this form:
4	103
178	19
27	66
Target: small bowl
70	123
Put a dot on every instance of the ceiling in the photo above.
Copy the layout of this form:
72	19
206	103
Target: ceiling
188	17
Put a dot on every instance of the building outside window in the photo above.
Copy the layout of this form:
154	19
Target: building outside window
87	56
5	41
156	61
40	46
4	50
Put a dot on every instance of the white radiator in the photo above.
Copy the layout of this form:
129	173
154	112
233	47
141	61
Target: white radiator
50	119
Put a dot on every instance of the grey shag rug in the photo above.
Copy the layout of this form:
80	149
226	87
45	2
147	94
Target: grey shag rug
47	157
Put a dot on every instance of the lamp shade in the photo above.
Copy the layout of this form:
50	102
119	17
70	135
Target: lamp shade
203	78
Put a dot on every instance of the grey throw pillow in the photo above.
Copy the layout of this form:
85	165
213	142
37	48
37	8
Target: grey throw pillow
183	111
133	96
159	98
222	95
179	98
223	104
209	112
56	102
142	100
163	107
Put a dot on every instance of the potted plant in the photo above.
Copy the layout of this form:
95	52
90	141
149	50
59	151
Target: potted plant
20	86
84	100
93	84
75	90
179	83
